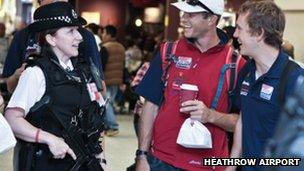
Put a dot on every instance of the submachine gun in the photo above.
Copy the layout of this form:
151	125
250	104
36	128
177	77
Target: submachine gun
74	136
288	141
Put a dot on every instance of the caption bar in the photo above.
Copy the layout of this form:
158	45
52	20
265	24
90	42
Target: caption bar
251	161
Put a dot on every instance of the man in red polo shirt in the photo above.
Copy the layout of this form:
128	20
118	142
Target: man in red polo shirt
200	57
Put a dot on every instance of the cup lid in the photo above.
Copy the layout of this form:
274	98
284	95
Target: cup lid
189	87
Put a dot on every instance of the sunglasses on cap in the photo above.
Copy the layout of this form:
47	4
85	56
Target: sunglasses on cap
199	3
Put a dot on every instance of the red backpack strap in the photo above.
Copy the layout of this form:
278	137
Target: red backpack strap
163	51
167	48
233	58
168	57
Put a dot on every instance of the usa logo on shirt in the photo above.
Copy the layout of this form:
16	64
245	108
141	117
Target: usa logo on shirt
244	88
266	91
184	62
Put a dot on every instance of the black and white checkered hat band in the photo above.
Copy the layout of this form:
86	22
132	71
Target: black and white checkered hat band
66	19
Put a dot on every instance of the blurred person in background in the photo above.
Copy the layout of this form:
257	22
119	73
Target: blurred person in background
288	48
232	40
134	60
94	28
4	45
133	56
113	59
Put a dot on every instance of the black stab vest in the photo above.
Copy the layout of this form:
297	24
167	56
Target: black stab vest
70	100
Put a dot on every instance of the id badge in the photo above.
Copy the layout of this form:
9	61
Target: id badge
94	94
184	62
266	91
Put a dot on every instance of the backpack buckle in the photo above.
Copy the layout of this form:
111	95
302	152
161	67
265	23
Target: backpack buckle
171	58
232	65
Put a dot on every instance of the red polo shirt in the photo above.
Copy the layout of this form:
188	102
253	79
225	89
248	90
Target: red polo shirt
204	71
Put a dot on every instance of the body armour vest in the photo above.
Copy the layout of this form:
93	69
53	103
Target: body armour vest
68	110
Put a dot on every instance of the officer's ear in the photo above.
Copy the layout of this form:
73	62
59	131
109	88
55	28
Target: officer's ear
50	40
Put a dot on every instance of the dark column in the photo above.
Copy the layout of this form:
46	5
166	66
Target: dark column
171	21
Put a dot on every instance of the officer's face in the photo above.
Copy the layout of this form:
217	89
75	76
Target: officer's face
65	42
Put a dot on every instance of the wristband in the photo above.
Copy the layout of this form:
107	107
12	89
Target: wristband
37	135
141	153
141	157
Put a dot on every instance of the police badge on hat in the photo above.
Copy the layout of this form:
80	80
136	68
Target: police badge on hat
55	15
74	14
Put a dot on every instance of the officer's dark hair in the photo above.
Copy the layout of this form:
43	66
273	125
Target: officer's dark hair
265	16
41	36
111	30
39	1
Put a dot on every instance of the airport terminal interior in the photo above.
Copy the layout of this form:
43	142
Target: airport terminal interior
141	26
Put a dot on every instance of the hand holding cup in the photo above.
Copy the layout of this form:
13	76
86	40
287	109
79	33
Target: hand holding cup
188	92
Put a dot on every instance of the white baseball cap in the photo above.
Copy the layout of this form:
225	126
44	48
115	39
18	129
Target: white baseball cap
192	6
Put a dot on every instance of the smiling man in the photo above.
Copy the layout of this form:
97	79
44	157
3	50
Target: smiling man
199	58
259	93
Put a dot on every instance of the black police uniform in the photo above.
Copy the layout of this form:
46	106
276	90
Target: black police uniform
70	102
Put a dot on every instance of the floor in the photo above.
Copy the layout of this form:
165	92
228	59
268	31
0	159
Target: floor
120	149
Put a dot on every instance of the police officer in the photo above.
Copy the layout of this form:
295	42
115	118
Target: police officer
55	108
24	44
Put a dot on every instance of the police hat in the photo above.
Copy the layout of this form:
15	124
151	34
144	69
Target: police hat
55	15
